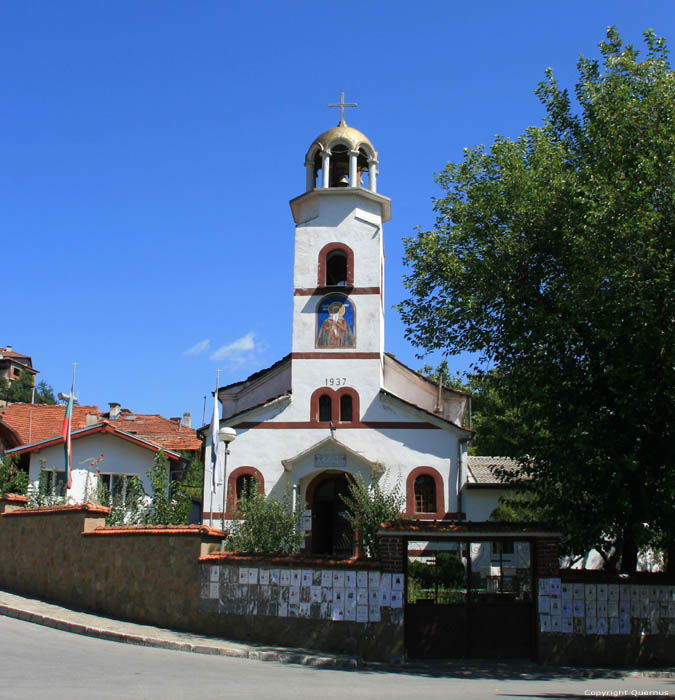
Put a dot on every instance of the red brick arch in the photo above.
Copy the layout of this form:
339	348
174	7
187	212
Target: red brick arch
323	255
232	486
410	509
335	396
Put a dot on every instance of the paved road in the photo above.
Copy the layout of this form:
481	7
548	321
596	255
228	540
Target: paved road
40	662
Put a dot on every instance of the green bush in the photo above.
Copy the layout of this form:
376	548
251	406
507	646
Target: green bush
12	479
370	506
265	524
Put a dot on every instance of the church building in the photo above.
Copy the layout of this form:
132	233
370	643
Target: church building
338	404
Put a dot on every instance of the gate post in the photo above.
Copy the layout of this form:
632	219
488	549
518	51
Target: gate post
392	553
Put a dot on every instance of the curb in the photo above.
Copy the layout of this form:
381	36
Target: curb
283	657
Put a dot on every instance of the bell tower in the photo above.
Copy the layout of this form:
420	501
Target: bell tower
338	279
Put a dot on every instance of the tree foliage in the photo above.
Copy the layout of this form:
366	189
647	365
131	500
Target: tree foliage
21	390
170	505
552	256
370	505
12	479
265	524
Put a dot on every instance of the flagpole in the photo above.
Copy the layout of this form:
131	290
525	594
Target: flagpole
68	446
214	446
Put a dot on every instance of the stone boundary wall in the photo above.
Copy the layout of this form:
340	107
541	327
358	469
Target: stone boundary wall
156	575
351	609
606	621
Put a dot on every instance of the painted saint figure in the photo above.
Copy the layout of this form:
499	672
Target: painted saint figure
334	327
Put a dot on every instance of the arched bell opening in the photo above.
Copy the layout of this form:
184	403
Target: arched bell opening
336	269
341	166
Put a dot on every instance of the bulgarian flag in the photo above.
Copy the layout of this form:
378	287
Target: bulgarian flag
65	434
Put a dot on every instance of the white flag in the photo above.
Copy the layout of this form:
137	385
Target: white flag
217	475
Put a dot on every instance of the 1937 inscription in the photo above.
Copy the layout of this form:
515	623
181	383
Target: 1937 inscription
336	381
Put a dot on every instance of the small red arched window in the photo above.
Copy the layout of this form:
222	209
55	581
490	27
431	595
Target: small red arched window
340	407
239	482
424	494
336	266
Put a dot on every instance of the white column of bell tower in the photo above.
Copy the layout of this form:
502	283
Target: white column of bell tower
338	324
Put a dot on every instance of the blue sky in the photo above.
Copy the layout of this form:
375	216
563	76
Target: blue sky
149	150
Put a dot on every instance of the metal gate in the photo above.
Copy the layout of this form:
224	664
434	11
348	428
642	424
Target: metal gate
469	600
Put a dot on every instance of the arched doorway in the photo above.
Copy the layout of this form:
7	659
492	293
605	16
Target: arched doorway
331	533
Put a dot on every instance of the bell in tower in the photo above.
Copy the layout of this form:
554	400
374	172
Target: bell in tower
343	156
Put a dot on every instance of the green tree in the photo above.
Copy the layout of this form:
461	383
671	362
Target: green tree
170	505
265	524
12	479
368	506
21	390
552	256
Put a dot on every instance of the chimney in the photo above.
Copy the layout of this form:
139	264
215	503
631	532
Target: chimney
114	410
9	348
90	419
187	418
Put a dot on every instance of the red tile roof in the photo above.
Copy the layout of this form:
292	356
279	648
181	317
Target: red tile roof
11	355
37	422
155	428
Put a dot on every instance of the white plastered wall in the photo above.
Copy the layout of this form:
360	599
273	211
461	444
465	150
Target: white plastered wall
119	457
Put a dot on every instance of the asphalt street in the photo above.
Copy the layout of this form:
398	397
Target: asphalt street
40	662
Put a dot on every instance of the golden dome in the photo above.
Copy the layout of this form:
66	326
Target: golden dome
345	135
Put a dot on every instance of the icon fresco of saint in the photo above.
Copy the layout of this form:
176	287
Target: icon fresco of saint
335	322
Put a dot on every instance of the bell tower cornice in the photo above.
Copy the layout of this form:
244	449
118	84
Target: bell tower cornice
303	211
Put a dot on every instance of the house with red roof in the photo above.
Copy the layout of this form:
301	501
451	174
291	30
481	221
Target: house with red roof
119	443
14	364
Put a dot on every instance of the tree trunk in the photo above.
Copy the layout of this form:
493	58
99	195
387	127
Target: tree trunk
628	553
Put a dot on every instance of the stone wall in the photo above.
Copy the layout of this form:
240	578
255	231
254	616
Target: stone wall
153	575
606	621
350	606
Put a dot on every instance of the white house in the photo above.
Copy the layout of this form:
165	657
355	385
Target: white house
338	405
117	454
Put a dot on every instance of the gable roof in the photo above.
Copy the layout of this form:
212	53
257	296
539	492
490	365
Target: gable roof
37	422
104	428
425	378
482	469
328	442
166	432
414	407
256	375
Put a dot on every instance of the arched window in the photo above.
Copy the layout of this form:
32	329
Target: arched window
336	269
325	408
335	266
241	480
341	406
425	494
346	409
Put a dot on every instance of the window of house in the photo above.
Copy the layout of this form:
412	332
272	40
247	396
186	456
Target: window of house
115	487
425	494
346	408
325	413
336	268
16	372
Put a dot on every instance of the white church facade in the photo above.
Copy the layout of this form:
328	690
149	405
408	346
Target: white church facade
338	405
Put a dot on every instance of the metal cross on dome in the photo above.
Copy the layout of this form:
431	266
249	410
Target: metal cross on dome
342	104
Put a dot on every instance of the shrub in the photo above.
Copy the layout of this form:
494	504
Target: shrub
265	524
370	506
